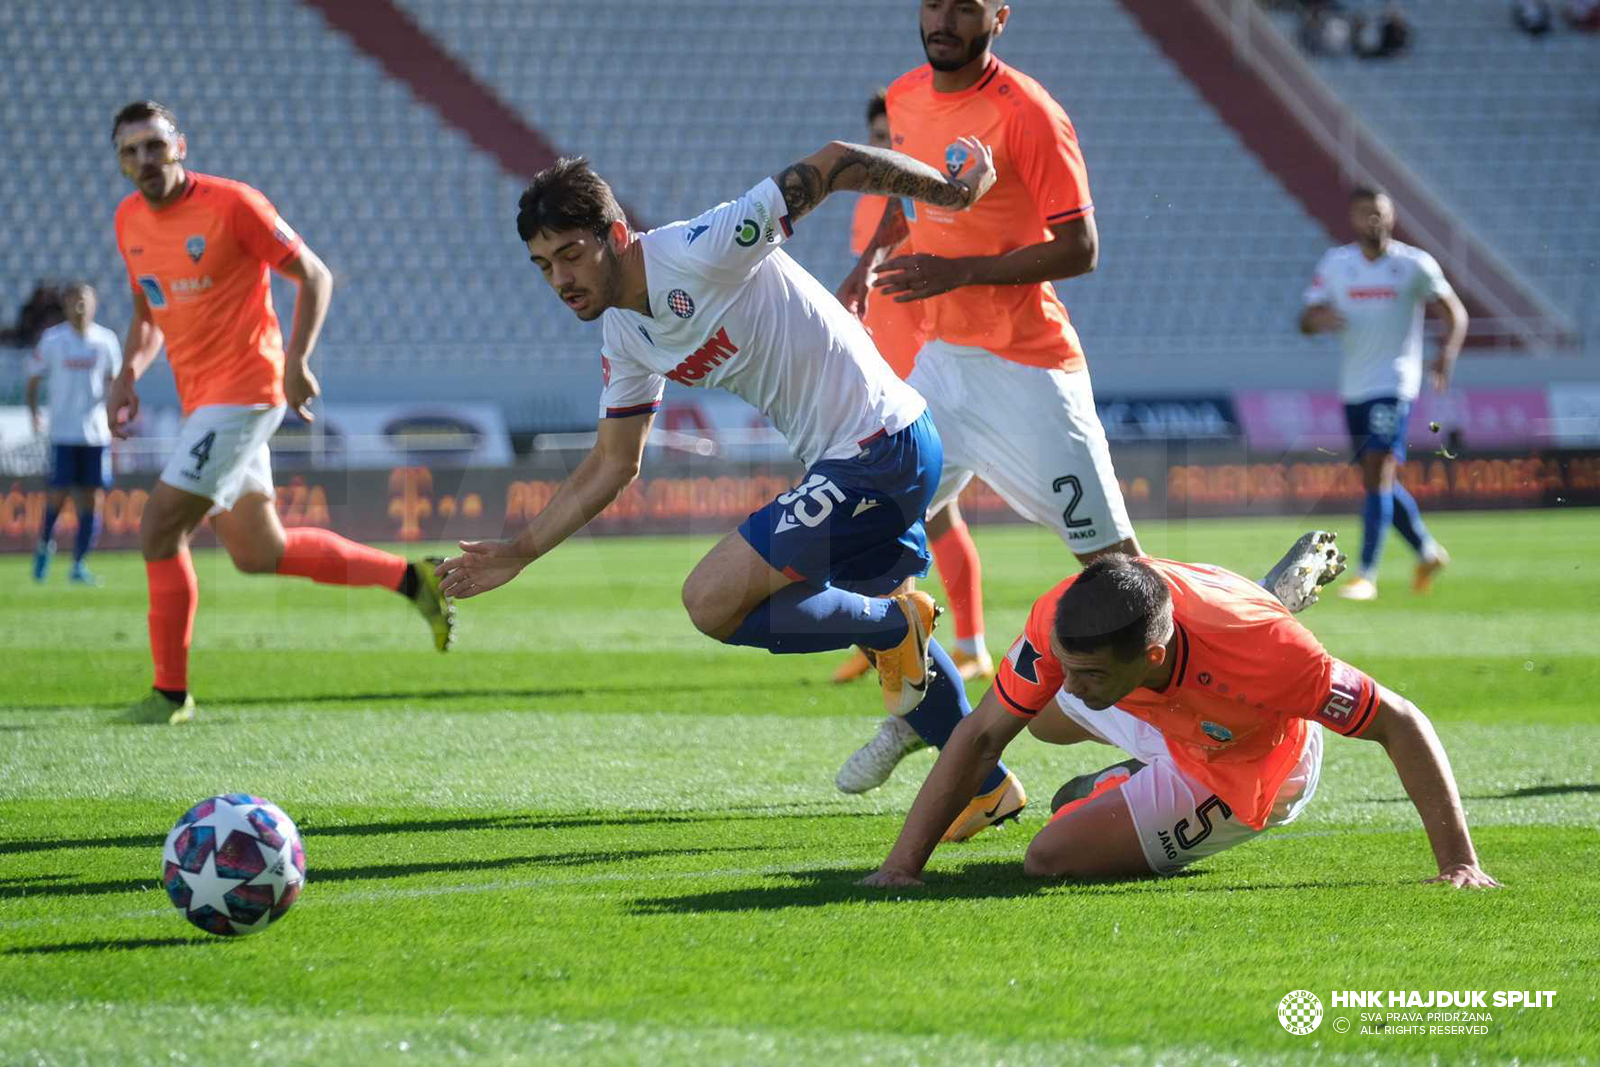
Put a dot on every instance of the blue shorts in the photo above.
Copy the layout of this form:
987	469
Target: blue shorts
80	467
856	523
1378	425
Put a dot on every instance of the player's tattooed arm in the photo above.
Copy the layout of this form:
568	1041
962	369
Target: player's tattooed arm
865	169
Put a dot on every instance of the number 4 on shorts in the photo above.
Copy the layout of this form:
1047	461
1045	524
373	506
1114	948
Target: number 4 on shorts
202	449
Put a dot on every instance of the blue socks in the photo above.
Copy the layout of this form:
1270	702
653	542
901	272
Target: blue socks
803	618
50	517
936	718
1376	515
1395	507
1408	518
88	530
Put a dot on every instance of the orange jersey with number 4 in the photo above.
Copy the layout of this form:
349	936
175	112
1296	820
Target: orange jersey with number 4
1248	683
203	265
1040	182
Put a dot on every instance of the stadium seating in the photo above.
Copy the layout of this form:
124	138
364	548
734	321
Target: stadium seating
1203	253
681	106
1505	127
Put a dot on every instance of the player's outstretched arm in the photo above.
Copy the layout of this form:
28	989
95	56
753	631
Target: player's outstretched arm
864	169
970	754
142	347
1419	759
609	468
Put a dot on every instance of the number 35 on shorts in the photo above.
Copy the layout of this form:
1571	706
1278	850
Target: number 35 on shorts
810	503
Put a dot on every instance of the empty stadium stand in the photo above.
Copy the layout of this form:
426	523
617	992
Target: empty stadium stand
682	105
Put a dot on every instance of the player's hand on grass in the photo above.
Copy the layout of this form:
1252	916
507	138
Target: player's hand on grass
886	878
482	566
919	276
122	407
1466	876
300	387
979	178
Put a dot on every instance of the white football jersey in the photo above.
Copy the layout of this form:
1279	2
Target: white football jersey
1381	301
729	308
75	368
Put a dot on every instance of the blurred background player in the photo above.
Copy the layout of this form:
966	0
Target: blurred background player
1001	364
76	361
1371	293
897	332
715	302
1219	694
199	251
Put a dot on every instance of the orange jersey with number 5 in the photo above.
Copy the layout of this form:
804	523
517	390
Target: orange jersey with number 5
1247	684
203	266
1040	182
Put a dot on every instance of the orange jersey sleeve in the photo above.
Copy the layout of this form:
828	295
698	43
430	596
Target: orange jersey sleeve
261	231
864	223
1030	674
1043	147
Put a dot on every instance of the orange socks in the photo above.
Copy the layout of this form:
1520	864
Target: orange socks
962	575
174	594
324	556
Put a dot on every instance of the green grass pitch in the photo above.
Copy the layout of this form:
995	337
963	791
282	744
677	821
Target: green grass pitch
589	835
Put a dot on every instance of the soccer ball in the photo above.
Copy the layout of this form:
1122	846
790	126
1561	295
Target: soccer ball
233	864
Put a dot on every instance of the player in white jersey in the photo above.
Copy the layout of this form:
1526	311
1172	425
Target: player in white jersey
715	301
76	362
1372	294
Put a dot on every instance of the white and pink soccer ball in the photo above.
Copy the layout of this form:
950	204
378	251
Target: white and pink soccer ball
233	864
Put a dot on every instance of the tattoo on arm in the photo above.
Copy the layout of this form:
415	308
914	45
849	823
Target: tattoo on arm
869	170
802	188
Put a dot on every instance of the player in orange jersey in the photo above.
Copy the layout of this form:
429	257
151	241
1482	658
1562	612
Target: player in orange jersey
1002	367
199	251
896	330
1221	697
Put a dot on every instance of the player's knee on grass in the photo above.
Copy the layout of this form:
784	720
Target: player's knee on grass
1098	840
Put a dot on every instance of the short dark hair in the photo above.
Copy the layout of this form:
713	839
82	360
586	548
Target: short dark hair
142	111
877	106
1117	601
567	195
1368	192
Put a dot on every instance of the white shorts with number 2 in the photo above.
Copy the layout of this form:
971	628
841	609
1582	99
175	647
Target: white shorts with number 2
222	453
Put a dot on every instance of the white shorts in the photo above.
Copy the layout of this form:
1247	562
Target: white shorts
222	453
1032	434
1178	819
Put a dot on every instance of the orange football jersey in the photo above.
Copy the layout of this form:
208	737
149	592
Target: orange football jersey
203	266
1248	682
1040	182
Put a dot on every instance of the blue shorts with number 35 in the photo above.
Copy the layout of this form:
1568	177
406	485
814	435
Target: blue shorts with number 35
856	523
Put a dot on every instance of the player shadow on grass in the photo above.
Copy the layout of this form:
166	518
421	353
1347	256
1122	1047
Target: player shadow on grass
325	875
1524	793
112	944
611	820
989	880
